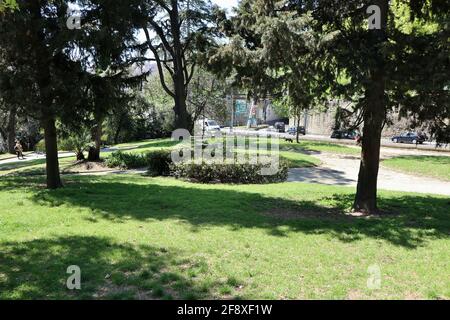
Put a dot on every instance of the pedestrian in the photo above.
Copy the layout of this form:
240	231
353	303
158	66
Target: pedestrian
19	150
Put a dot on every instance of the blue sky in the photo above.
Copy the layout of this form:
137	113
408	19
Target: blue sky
226	3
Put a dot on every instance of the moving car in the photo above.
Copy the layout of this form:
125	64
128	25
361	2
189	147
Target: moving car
293	130
344	134
410	137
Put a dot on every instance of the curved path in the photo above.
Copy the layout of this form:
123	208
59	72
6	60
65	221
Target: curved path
343	171
335	170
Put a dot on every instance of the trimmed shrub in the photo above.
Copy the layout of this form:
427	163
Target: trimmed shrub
124	160
159	163
238	173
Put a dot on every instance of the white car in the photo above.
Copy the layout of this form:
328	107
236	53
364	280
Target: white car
207	125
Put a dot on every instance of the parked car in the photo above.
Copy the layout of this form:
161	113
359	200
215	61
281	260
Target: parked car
207	125
410	137
344	134
293	130
280	126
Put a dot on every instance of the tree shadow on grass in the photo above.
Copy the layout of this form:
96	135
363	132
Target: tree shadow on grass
20	165
37	270
413	219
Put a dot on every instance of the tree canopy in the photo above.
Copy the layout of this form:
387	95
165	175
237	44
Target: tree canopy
315	48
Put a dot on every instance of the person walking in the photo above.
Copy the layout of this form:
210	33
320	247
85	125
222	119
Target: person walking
19	150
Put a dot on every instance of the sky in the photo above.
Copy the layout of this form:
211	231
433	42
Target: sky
228	4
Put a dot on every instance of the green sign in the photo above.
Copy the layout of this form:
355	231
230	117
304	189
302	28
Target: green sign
241	107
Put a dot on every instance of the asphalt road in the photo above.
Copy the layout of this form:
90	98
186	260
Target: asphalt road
427	146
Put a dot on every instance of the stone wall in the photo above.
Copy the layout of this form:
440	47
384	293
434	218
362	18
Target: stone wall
322	123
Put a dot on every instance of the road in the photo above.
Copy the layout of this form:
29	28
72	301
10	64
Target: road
427	146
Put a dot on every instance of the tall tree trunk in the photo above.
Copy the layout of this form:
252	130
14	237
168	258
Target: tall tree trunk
298	129
51	150
94	152
11	128
374	116
119	129
180	109
180	80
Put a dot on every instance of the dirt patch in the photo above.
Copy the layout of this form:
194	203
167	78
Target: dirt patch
331	213
355	295
413	296
293	214
87	166
110	289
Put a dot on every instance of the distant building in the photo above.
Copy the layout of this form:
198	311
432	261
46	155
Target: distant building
263	113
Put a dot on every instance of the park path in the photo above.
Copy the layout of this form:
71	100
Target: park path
338	170
34	156
343	171
63	154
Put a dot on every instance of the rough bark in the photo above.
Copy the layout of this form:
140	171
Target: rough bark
374	116
366	195
51	150
180	109
97	132
179	72
11	128
80	156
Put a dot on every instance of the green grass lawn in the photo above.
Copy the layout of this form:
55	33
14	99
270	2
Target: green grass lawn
431	166
319	147
36	167
144	237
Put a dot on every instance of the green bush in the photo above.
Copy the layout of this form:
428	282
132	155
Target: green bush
40	146
124	160
159	163
77	142
239	173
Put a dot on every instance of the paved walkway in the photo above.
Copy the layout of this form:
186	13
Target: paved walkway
343	171
335	170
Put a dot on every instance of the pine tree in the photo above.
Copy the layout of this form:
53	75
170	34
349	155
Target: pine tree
404	62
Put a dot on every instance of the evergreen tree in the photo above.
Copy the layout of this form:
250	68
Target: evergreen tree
404	62
67	74
43	79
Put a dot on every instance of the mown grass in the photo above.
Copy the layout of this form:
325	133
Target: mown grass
296	158
145	237
320	147
431	166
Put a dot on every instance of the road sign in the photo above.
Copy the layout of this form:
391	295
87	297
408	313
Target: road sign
241	106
